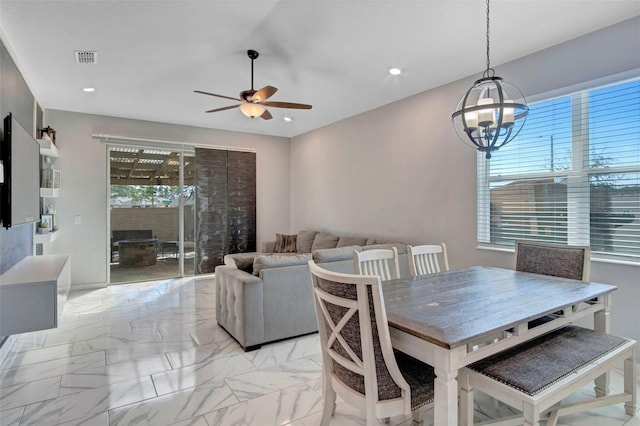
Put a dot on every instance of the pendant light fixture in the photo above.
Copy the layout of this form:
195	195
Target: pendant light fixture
491	113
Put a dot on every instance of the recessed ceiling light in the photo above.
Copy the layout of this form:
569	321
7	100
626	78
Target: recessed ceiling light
287	119
395	71
88	89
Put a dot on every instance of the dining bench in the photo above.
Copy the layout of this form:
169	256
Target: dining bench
534	377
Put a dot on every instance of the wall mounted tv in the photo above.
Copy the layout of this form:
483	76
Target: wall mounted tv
20	194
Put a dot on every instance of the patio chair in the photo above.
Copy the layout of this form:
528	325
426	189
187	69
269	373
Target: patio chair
358	362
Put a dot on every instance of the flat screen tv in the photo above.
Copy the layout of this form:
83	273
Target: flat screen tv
20	195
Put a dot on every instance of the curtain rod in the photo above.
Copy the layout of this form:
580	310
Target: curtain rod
169	144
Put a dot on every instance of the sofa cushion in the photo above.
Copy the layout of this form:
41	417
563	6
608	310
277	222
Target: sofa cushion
285	244
335	254
324	241
351	241
279	260
304	241
401	247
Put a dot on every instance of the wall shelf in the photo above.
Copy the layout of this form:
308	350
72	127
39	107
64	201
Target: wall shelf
47	148
45	238
49	192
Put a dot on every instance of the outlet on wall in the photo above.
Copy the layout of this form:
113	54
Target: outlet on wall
77	219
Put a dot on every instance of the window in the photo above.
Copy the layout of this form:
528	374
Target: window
572	176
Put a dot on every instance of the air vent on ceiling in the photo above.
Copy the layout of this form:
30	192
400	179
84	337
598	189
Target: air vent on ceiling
86	56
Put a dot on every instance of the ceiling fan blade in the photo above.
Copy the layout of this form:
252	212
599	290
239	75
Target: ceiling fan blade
223	108
218	96
266	115
286	105
265	93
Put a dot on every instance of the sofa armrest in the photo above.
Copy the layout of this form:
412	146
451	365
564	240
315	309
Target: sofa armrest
288	302
239	305
243	261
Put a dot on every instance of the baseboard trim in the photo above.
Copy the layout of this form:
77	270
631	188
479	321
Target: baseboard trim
92	286
5	347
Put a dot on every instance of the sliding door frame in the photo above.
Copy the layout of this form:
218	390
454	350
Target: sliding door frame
177	146
181	150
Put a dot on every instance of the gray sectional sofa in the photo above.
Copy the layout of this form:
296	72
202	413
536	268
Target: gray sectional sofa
264	297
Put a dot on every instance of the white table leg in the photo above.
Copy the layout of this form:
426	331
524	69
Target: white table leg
445	410
466	399
602	324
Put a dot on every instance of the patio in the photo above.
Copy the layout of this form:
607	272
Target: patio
166	266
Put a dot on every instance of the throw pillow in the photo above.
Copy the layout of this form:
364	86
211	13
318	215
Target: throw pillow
324	241
285	243
304	241
351	241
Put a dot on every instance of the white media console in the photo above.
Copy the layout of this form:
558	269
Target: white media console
33	293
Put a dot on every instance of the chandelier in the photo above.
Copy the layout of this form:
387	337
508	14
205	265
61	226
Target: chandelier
491	113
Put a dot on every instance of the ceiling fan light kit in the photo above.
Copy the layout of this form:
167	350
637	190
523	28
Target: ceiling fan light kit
253	103
491	113
252	110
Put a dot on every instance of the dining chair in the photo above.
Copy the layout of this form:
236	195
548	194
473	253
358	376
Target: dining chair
558	260
381	262
423	259
358	362
553	259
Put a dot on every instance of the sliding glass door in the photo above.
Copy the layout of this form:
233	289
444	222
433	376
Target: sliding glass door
151	205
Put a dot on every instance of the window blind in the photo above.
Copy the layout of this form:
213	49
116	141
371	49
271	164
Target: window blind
572	176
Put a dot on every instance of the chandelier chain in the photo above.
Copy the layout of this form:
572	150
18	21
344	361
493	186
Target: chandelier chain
490	72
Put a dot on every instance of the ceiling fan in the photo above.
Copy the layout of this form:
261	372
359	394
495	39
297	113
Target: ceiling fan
253	102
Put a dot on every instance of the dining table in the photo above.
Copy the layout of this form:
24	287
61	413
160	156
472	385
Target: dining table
452	319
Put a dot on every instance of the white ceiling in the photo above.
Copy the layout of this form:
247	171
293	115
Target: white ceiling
329	53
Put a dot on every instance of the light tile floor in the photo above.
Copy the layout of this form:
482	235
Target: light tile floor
151	353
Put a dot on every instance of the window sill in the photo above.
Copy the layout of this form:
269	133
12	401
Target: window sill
599	258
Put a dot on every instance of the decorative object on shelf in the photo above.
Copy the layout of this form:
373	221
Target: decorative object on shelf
42	228
48	133
47	219
491	113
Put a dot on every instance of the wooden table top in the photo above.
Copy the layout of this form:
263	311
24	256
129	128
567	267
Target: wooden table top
454	308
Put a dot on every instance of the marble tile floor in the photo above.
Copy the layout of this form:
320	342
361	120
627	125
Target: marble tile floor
151	354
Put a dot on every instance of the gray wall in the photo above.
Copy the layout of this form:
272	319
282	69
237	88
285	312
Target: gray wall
16	98
83	161
401	172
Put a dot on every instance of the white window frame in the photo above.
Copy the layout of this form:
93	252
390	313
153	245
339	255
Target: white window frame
578	208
